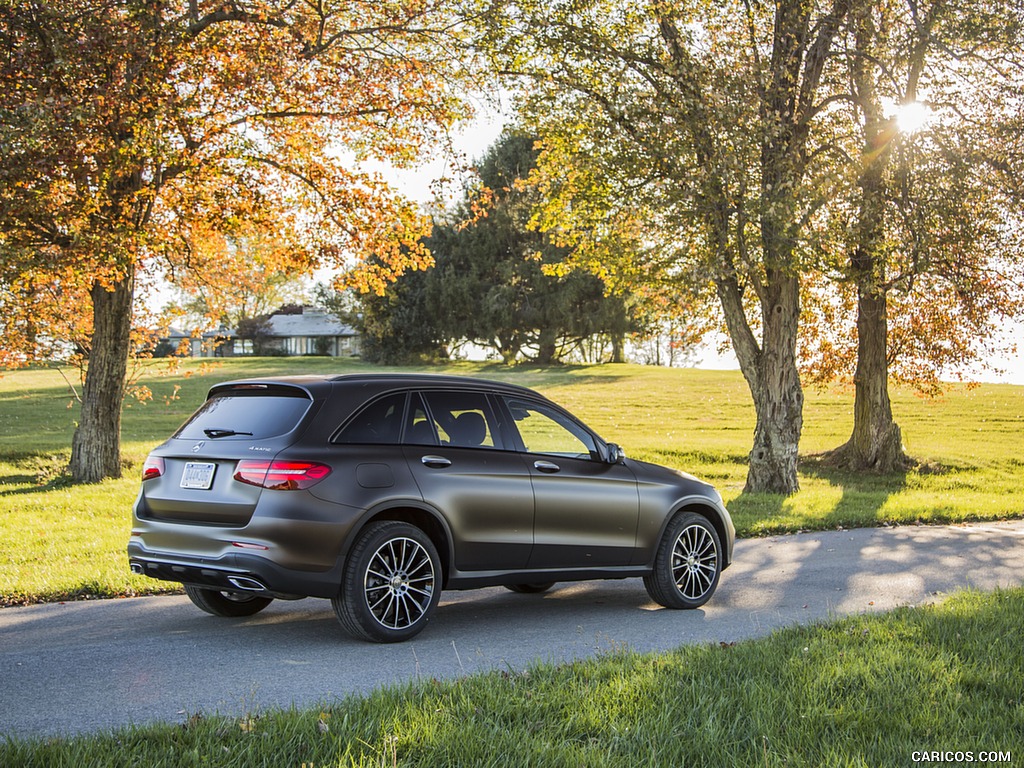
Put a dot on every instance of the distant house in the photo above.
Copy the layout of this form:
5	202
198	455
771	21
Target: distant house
308	331
311	331
171	344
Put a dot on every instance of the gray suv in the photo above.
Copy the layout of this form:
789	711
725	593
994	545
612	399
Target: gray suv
379	491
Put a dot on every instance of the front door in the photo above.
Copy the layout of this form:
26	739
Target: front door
586	509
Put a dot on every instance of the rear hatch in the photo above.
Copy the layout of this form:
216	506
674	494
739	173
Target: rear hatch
211	472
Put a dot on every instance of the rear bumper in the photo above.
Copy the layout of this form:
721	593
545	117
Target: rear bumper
240	572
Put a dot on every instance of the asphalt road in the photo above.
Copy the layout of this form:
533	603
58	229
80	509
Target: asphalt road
88	666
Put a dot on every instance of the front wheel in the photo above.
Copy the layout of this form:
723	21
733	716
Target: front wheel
391	584
687	564
226	603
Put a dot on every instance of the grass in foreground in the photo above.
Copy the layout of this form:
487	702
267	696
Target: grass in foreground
59	541
863	691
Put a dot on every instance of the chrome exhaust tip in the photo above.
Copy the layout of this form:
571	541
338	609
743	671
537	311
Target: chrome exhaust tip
138	569
246	584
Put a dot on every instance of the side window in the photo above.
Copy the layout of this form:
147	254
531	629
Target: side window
419	429
378	423
545	430
462	419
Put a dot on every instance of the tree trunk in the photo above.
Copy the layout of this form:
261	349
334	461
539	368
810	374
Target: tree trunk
778	400
96	445
774	380
547	347
508	347
618	347
774	456
876	443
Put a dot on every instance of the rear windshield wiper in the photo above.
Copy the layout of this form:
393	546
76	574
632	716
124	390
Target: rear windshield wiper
215	433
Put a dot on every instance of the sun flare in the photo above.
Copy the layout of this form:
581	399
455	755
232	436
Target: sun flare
912	117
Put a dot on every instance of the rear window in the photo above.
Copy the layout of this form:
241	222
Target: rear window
247	415
379	423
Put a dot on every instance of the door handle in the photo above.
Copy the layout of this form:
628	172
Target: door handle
547	466
436	462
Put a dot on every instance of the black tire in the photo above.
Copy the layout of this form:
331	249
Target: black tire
391	583
531	589
226	603
687	564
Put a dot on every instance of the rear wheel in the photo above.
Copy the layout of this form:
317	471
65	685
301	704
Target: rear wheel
687	564
392	583
227	603
531	589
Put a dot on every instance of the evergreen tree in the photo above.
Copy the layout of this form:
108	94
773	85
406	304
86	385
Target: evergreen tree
492	282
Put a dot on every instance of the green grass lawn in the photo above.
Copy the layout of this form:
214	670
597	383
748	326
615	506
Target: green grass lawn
60	541
862	691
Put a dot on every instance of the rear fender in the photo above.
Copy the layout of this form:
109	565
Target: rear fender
414	512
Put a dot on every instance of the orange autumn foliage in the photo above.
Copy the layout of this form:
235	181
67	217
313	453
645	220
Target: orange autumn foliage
131	128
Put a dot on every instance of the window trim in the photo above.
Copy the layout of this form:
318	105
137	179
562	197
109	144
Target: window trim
502	425
418	394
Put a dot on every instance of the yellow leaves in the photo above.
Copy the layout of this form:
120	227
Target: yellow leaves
140	394
479	204
935	330
386	265
168	399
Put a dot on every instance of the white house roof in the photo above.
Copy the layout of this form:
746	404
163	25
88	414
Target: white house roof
310	323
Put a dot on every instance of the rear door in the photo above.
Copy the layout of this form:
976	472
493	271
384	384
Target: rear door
454	447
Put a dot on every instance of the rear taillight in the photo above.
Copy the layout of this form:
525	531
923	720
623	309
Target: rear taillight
281	475
153	468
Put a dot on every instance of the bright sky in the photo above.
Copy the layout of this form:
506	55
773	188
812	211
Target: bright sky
472	140
1012	365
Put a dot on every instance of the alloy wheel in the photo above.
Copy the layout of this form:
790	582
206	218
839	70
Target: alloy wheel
694	561
399	583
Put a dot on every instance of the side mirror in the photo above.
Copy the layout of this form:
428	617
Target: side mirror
615	454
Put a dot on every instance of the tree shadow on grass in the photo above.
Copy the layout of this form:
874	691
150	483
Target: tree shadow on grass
35	474
864	495
26	484
19	481
535	375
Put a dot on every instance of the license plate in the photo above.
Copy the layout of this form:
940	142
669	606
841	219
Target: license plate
198	475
